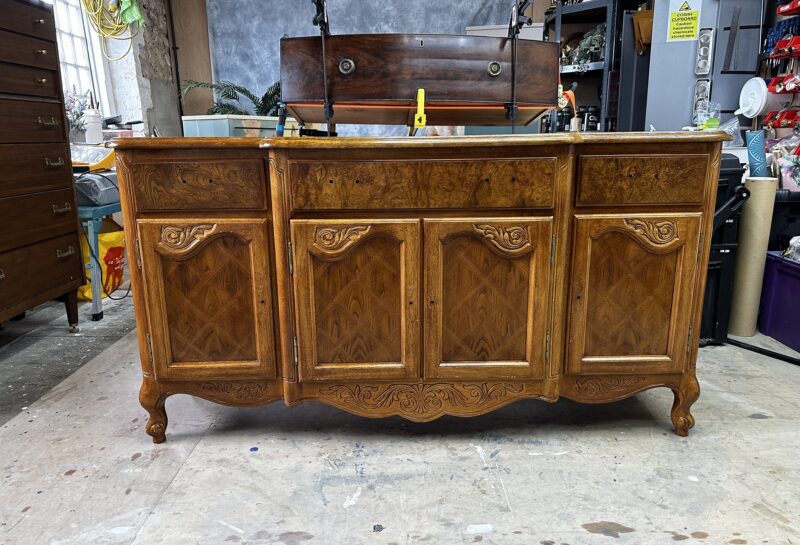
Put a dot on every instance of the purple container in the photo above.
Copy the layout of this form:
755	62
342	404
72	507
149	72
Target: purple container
779	316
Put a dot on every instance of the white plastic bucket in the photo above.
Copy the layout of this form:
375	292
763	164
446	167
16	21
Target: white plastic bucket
755	99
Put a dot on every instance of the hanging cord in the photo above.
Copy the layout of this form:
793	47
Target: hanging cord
107	20
321	20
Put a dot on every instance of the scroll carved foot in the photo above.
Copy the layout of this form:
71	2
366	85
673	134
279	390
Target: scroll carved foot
685	395
153	401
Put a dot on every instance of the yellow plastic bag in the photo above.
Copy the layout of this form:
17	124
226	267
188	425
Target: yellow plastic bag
111	242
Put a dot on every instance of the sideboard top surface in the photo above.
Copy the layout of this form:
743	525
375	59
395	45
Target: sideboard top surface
423	142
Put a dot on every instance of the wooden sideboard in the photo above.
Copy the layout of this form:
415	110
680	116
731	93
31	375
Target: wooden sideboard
419	277
40	251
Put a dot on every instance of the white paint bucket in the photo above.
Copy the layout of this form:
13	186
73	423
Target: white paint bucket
755	99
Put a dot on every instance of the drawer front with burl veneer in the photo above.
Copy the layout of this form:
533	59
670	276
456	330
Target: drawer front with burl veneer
27	51
26	18
410	184
234	184
46	267
32	218
32	168
31	121
641	179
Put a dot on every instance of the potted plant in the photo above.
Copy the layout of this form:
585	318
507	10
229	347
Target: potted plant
75	105
236	111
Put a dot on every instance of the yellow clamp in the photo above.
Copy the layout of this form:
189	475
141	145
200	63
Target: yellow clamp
420	120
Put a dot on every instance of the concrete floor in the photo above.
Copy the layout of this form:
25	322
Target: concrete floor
77	468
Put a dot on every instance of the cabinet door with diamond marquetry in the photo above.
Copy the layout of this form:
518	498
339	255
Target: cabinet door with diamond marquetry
356	285
487	297
631	298
209	299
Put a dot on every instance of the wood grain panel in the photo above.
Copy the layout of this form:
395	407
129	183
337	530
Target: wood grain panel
633	281
208	288
31	218
26	18
499	183
23	80
487	288
210	185
29	121
18	49
356	286
641	179
32	168
44	266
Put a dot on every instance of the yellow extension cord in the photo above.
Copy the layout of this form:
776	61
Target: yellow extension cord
104	15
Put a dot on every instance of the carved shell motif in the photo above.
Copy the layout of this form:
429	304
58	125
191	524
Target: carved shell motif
510	239
180	238
332	239
657	232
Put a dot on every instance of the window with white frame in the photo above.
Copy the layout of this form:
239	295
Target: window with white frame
73	49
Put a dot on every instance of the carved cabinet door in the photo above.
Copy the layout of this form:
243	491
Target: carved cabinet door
356	285
207	285
487	297
631	299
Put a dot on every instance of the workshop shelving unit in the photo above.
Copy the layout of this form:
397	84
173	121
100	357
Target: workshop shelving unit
583	17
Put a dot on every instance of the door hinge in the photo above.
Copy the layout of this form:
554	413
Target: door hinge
689	340
294	351
138	254
700	248
149	348
291	257
547	347
552	250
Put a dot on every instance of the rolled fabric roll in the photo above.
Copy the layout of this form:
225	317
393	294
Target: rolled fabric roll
751	256
756	155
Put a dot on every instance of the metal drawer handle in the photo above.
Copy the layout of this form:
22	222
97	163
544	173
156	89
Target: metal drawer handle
66	208
41	52
2	274
41	81
52	122
54	164
38	21
64	254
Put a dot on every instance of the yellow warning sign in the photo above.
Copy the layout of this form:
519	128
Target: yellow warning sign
684	20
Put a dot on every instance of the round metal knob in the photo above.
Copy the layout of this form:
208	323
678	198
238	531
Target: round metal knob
494	69
347	66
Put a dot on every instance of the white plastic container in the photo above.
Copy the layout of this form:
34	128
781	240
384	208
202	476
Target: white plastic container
94	126
755	99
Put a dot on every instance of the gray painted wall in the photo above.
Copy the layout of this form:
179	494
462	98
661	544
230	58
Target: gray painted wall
245	35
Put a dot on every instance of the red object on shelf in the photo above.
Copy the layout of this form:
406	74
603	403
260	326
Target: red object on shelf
792	8
769	120
789	83
786	118
781	49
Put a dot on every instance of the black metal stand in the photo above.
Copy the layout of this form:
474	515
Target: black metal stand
321	20
518	20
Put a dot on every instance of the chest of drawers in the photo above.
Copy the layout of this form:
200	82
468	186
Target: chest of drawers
39	234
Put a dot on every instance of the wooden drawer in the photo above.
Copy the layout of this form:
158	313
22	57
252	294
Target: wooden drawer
28	51
28	19
236	184
32	218
24	80
32	168
29	121
641	179
493	183
31	270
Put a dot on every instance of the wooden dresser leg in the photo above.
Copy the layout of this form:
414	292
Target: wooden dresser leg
685	395
153	401
71	304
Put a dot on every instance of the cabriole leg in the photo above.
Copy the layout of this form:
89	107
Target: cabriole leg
153	401
685	395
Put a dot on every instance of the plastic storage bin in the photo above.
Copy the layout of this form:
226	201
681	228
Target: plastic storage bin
780	300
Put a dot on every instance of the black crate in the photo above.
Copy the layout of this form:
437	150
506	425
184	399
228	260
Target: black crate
719	290
730	177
